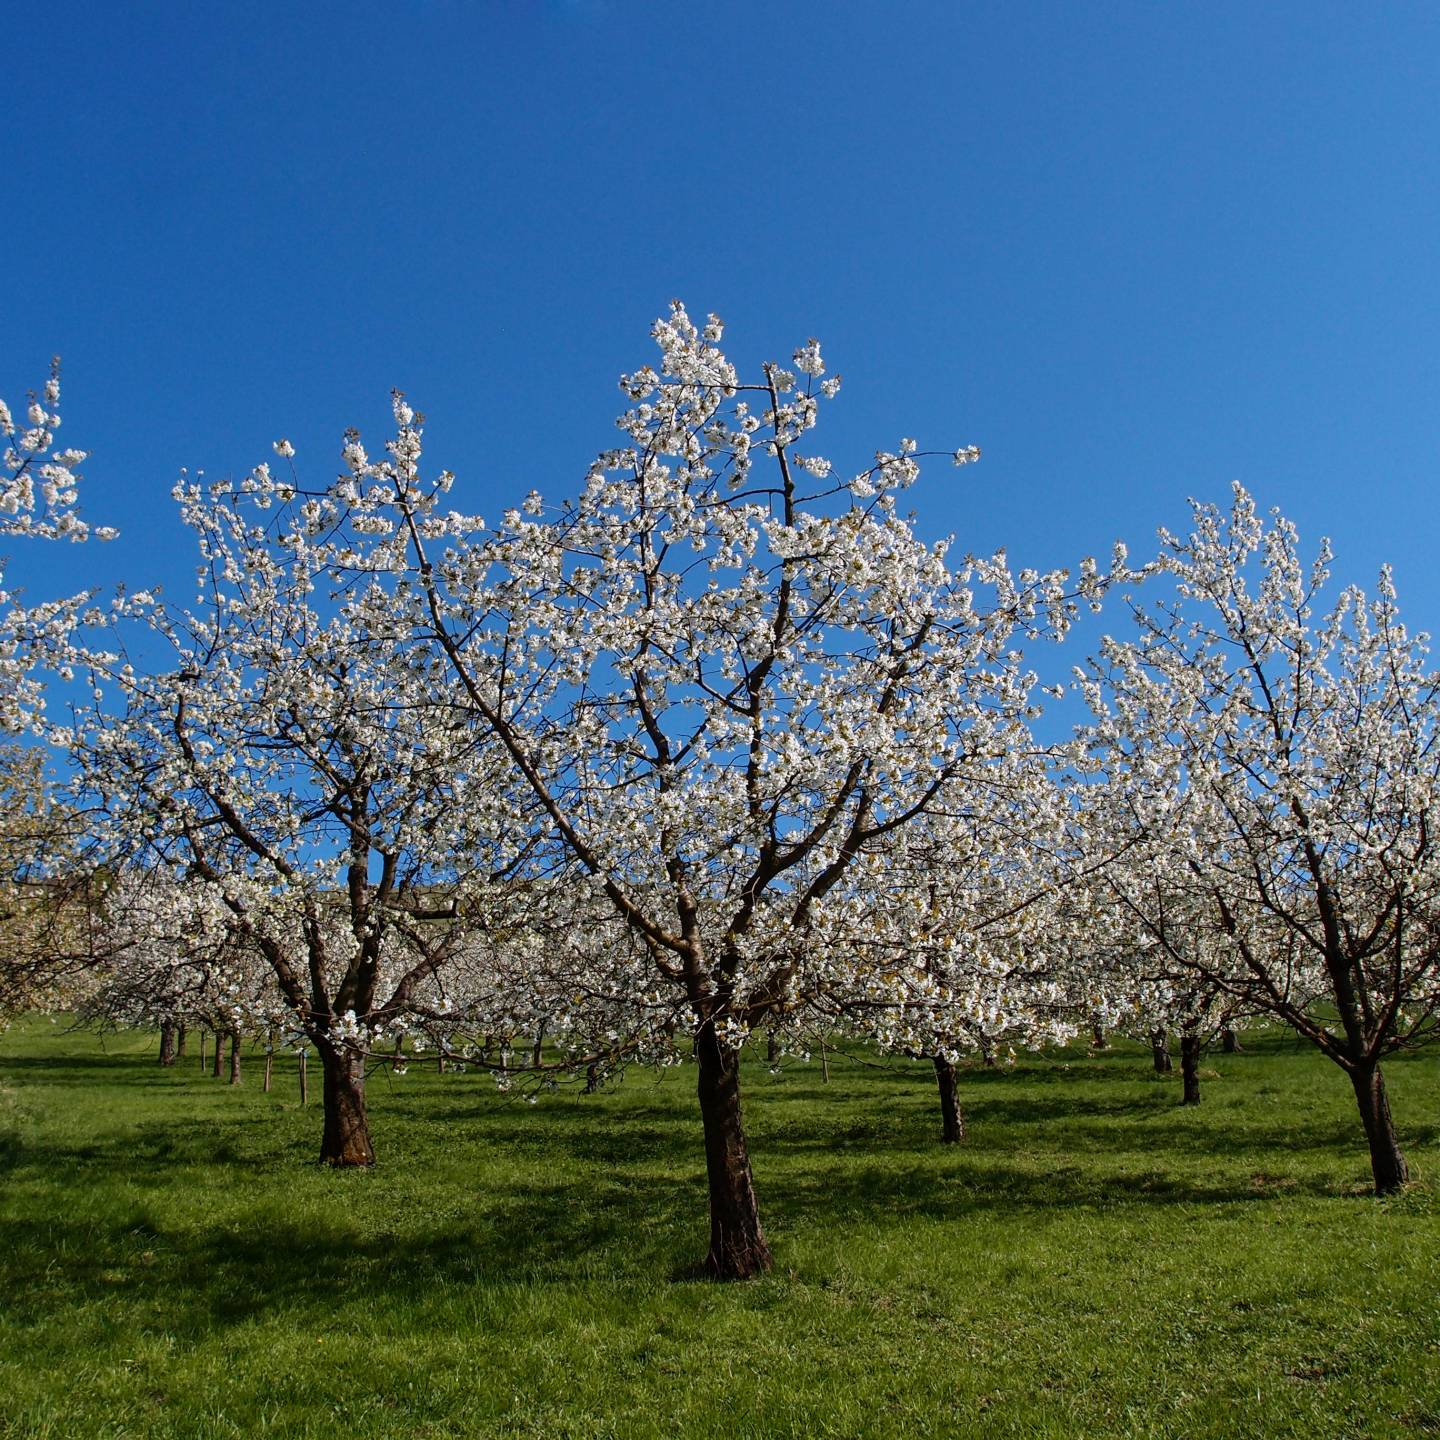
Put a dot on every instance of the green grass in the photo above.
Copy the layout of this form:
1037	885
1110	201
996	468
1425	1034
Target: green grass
1095	1261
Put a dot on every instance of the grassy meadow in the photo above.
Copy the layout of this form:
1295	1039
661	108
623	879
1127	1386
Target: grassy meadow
1095	1261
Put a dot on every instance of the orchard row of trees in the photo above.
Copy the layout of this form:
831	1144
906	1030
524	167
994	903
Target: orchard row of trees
721	745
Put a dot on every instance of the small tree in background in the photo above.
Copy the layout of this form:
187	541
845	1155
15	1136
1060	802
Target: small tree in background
1280	765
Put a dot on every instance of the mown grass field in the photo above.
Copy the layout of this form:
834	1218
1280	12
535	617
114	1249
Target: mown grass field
1095	1261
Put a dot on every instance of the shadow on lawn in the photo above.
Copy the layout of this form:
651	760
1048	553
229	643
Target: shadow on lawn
196	1278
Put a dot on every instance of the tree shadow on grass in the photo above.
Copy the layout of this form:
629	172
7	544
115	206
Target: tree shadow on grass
128	1071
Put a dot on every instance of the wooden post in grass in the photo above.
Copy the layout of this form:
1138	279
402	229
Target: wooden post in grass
269	1057
302	1077
824	1062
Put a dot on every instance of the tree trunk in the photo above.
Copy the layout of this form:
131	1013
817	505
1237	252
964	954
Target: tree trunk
269	1058
202	1051
1387	1164
772	1047
304	1088
537	1053
219	1059
1190	1068
592	1078
167	1042
346	1140
1230	1041
1097	1037
234	1057
737	1243
180	1038
952	1118
1160	1052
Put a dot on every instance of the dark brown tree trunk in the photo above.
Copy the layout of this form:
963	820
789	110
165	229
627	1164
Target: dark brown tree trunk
202	1051
772	1047
1230	1042
592	1078
952	1118
234	1057
538	1052
1387	1163
737	1243
1097	1037
987	1052
167	1042
304	1087
180	1038
219	1060
1160	1052
346	1140
1190	1068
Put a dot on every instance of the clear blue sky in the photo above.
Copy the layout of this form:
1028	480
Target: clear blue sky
1134	251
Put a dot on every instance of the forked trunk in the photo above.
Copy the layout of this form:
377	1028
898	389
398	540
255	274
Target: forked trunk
1160	1052
952	1118
1190	1068
234	1057
1387	1164
167	1042
346	1139
737	1243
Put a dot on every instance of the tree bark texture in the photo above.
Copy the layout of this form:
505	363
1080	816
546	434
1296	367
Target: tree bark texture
1190	1068
952	1118
234	1057
1160	1052
1098	1039
1230	1042
1387	1163
180	1038
167	1042
219	1057
737	1243
346	1139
